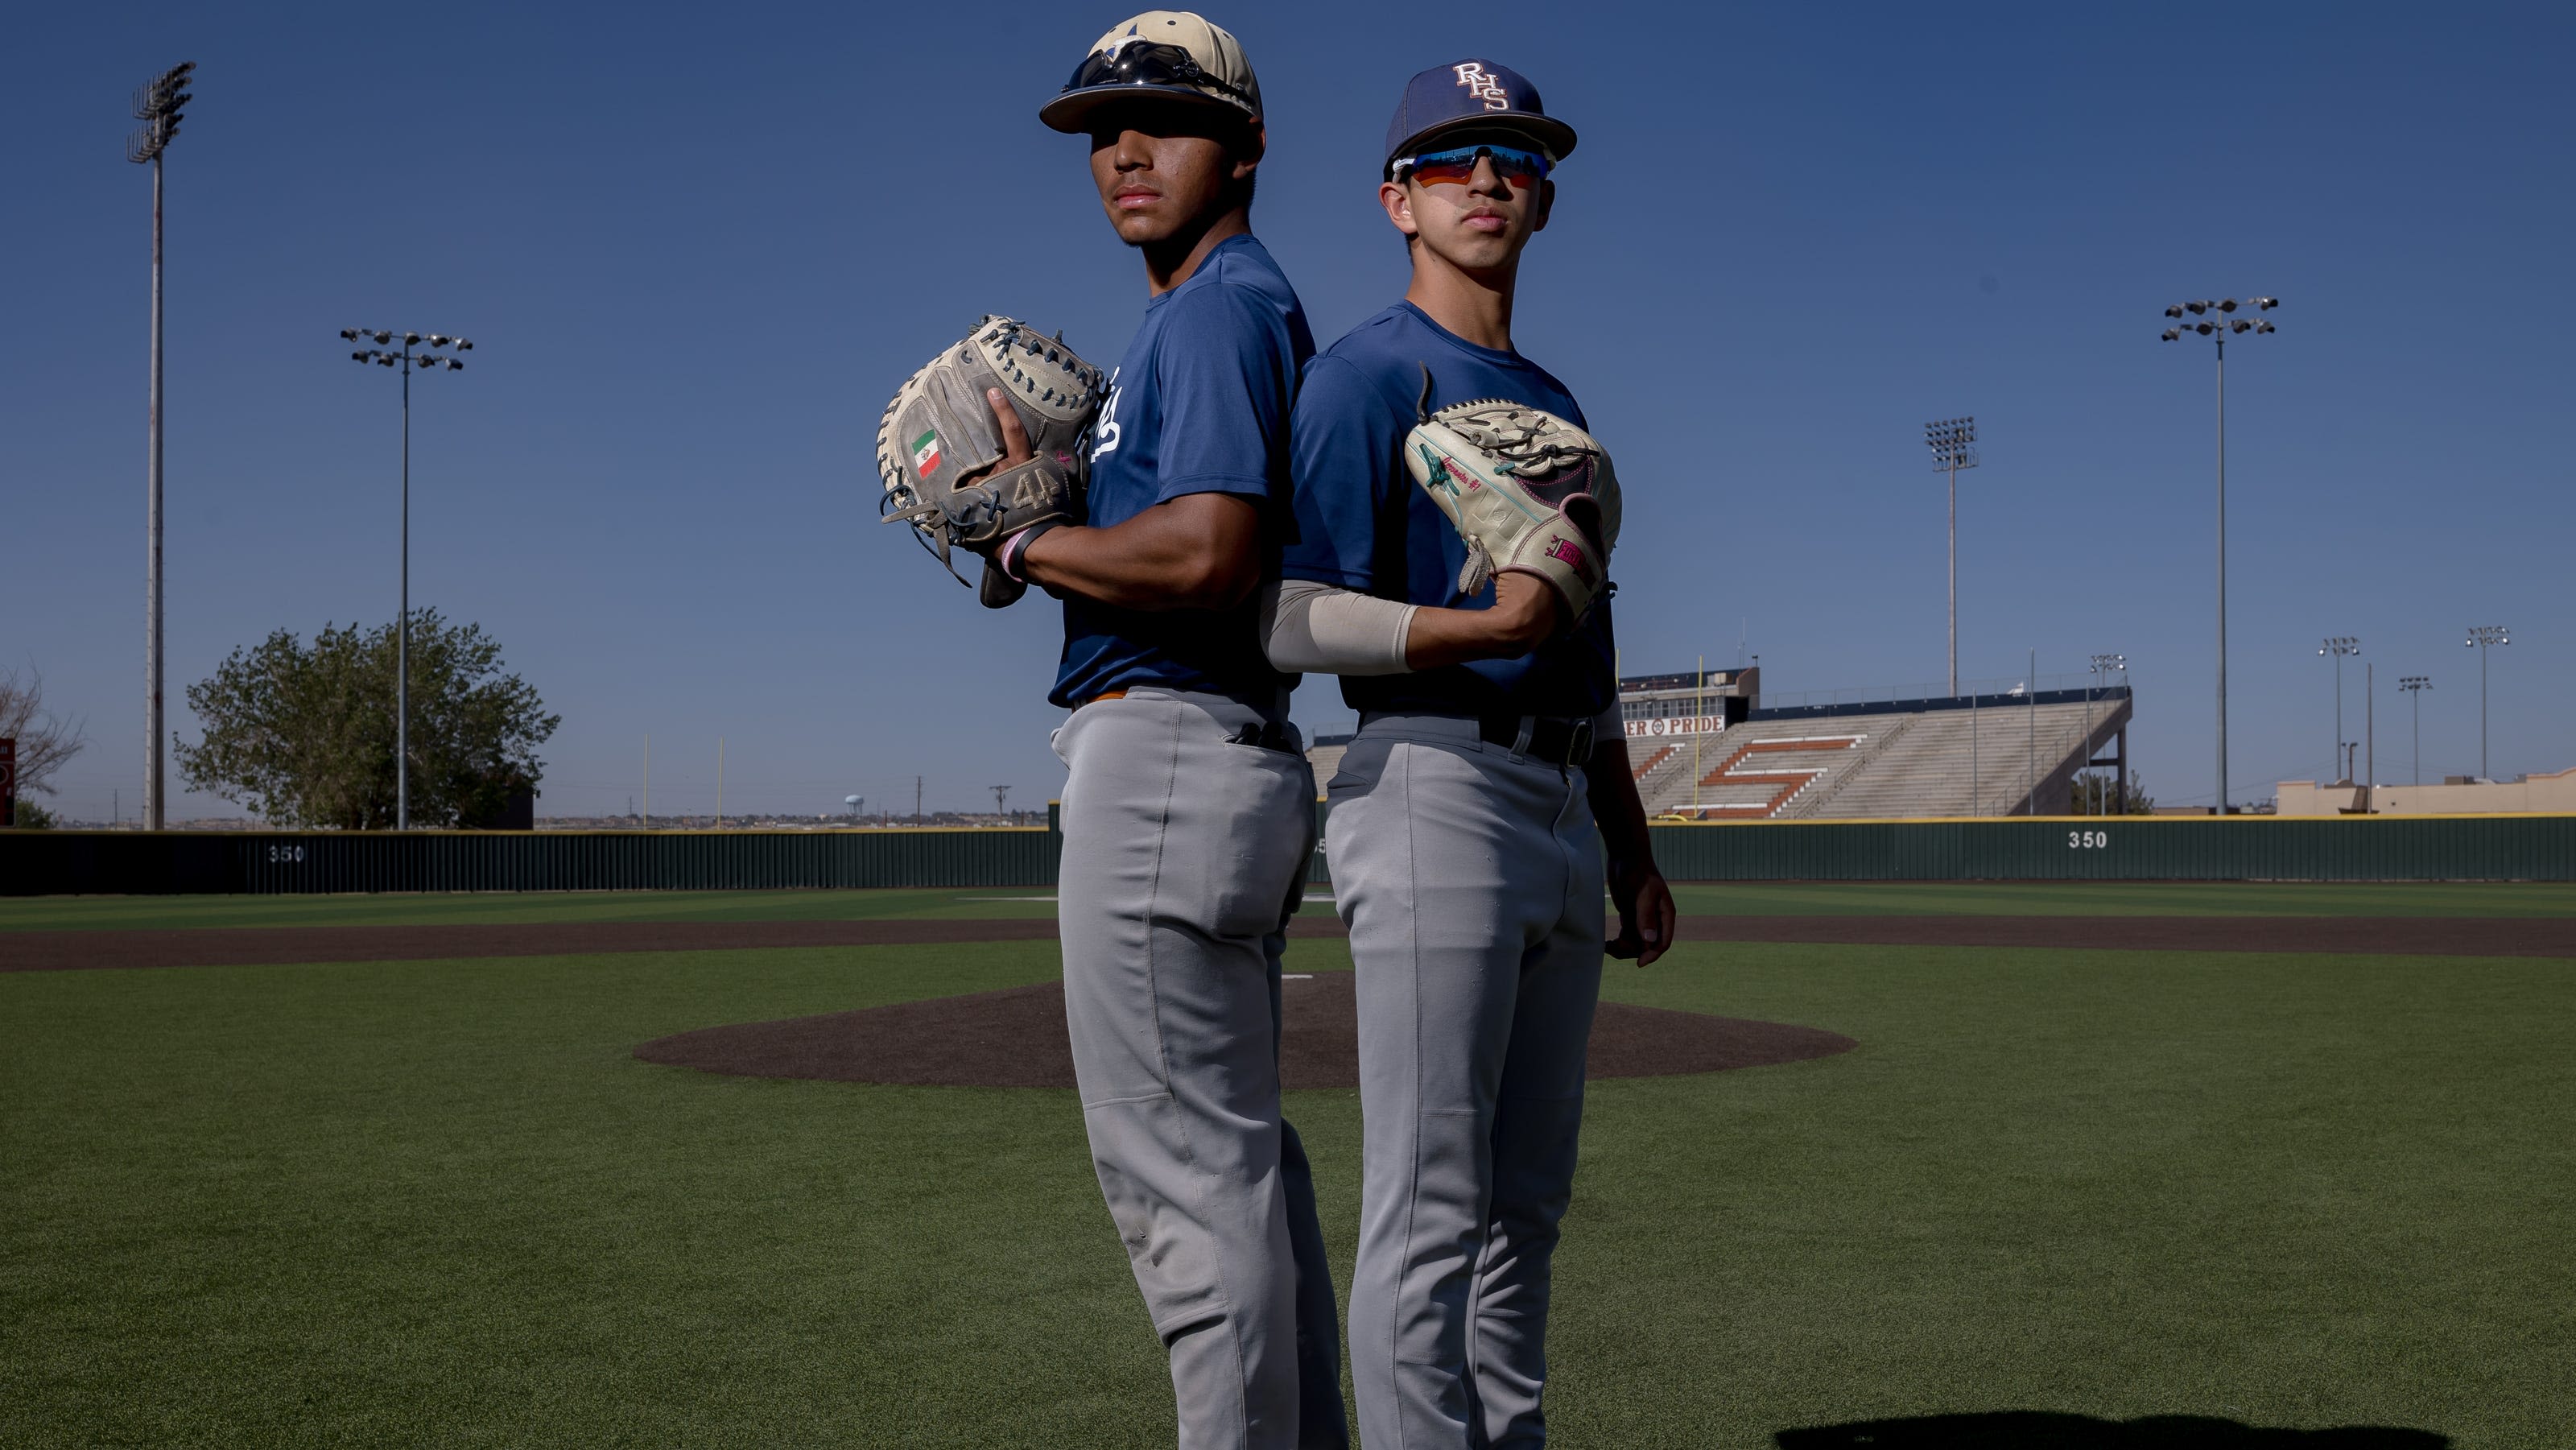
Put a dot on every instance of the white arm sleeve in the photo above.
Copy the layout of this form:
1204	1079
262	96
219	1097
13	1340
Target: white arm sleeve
1311	628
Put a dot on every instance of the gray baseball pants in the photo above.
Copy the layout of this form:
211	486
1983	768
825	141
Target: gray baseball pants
1471	879
1184	856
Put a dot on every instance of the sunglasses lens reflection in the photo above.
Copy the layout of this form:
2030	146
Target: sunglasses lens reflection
1458	168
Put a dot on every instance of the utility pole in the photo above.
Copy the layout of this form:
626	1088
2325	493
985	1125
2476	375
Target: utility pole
1954	446
916	800
409	363
719	782
2414	686
2219	328
648	780
2481	637
157	105
2369	725
1699	721
1001	797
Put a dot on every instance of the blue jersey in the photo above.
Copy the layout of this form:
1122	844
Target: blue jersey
1198	405
1363	525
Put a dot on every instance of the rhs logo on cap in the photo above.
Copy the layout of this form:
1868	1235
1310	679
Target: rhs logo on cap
1483	87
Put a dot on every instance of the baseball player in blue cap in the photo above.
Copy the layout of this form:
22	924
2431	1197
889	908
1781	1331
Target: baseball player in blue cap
1469	818
1189	809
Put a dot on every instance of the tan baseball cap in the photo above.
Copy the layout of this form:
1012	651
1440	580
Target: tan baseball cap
1162	53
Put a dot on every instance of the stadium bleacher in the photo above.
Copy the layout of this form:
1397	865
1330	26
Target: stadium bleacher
2009	755
1700	750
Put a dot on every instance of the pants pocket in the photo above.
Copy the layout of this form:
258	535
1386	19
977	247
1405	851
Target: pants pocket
1267	834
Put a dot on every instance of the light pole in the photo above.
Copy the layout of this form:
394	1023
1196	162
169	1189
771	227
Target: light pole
1954	446
407	361
156	105
2219	328
2102	665
2481	638
2339	645
2415	686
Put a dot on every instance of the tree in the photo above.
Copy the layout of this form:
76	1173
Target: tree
44	741
29	816
2101	794
305	736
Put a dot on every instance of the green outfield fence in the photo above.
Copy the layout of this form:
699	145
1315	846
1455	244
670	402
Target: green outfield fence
2120	848
140	863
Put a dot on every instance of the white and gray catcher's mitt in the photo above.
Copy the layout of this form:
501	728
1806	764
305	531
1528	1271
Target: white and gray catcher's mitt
939	434
1526	489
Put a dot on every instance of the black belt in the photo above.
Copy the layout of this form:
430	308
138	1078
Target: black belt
1550	738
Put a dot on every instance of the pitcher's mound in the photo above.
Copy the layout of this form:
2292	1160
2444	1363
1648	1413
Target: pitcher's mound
1015	1038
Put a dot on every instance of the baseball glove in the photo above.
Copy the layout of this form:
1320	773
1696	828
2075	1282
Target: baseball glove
939	436
1526	489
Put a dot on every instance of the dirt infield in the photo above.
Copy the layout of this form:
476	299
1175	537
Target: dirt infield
1015	1038
41	951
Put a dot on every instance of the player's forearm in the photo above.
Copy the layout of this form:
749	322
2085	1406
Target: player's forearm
1521	618
1200	551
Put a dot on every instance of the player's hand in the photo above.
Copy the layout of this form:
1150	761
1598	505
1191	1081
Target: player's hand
1524	614
1016	449
1646	916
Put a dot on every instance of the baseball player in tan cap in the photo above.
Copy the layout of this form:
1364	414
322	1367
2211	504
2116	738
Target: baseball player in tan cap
1189	806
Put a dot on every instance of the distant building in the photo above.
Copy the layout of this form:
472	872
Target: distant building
2456	795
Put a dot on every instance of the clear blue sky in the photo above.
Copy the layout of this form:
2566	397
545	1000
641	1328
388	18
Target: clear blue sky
698	247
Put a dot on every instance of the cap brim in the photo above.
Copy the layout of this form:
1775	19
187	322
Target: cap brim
1071	112
1547	131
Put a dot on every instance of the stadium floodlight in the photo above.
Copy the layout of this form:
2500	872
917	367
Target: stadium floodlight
409	362
2483	637
2414	686
2340	646
2205	329
157	104
1953	442
2173	311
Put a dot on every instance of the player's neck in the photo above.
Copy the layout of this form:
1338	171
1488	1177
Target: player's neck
1170	262
1477	306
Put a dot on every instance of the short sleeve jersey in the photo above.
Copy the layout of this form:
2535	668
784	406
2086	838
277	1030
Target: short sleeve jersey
1363	525
1199	404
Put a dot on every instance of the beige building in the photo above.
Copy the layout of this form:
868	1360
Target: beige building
2548	794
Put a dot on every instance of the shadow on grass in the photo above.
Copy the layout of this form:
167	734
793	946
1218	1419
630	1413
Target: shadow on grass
2042	1430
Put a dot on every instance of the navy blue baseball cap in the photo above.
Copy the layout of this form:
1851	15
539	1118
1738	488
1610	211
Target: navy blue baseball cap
1477	95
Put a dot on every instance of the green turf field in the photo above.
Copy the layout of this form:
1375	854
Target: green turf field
440	1203
1751	898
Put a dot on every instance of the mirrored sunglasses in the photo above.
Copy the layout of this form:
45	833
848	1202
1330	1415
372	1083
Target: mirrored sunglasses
1457	167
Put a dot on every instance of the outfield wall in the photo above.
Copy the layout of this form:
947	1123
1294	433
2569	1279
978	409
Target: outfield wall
263	862
2127	848
2118	848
